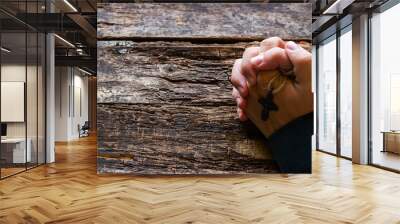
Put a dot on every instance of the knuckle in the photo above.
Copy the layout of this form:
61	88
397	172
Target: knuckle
272	41
246	69
234	92
275	53
236	64
238	102
238	61
235	81
235	69
251	51
277	50
238	85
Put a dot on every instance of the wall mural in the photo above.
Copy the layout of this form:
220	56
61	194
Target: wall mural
164	98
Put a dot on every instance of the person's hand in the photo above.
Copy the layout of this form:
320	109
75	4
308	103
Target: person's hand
295	99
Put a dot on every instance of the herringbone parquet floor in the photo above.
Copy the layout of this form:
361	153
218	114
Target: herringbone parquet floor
70	191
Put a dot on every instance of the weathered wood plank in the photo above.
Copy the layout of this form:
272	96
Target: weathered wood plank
177	139
223	21
160	72
166	108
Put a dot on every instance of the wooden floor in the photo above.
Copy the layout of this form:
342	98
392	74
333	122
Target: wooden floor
70	191
5	172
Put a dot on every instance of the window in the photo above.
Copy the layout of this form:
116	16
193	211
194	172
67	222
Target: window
385	89
346	75
22	77
327	95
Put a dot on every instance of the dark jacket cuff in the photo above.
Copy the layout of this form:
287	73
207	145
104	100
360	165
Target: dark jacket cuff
291	145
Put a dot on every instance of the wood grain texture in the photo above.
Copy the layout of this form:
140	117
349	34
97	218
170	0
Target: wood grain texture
164	99
162	72
229	21
166	108
169	139
70	191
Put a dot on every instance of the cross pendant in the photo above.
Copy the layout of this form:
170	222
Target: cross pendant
268	105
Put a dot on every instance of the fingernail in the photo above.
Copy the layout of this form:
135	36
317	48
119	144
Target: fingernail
257	59
292	46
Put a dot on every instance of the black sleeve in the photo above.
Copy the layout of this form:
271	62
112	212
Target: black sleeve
291	145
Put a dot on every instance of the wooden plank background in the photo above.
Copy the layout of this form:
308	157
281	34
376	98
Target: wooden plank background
232	21
165	107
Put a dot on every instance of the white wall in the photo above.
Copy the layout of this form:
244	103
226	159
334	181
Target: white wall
16	73
33	126
80	110
71	102
61	103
